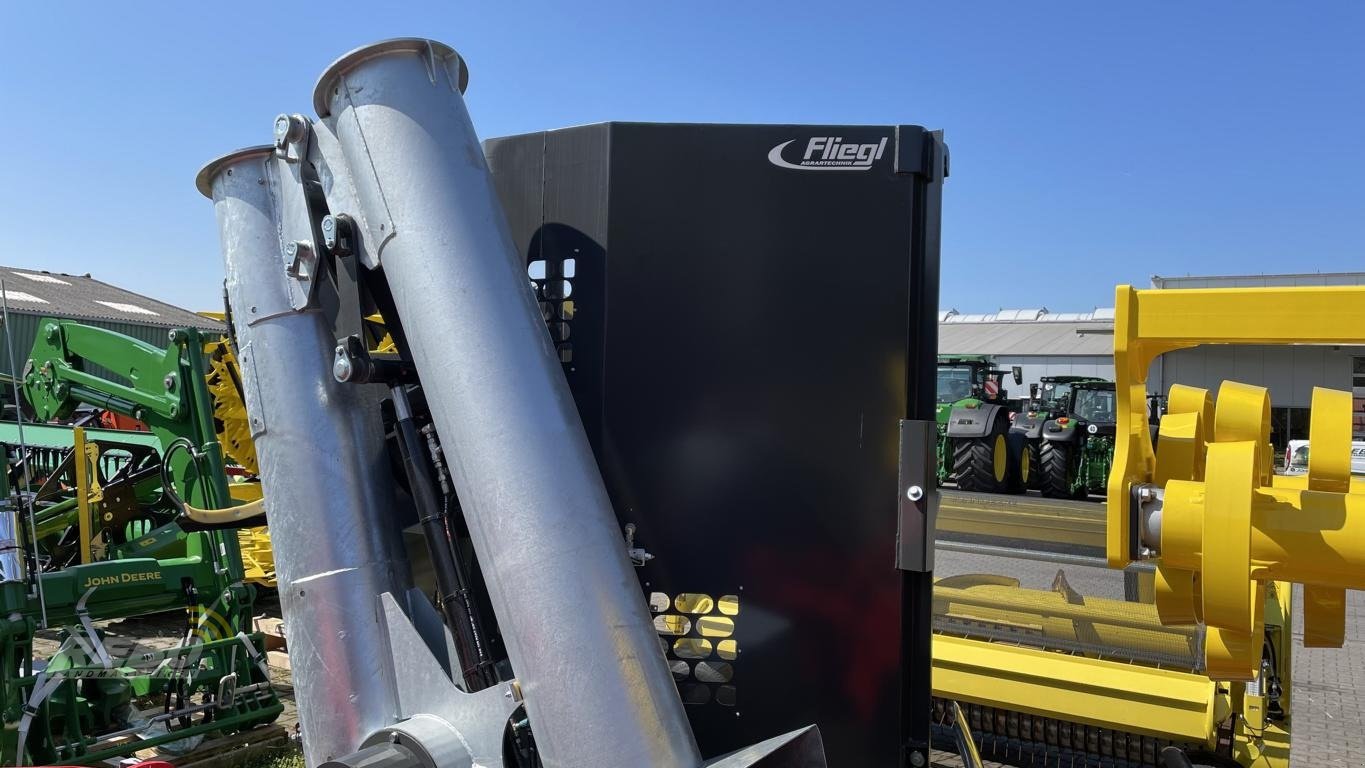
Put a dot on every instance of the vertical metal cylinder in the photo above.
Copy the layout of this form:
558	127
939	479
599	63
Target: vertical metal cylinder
12	567
324	473
597	688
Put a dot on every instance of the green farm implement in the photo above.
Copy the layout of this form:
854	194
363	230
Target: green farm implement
102	524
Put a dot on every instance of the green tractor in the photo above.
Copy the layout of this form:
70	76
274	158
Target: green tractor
1078	447
1047	400
975	448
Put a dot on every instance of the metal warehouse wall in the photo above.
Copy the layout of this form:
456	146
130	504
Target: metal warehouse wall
25	330
1289	372
1038	366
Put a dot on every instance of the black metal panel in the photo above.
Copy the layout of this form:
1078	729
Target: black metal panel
739	356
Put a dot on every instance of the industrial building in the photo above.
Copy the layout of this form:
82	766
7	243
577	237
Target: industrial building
1047	343
31	295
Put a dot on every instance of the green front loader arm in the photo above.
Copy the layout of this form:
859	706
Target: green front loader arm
163	388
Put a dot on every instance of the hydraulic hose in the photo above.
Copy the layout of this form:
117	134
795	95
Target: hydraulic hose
457	603
208	518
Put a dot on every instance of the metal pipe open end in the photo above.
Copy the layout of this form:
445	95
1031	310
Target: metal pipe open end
328	86
1151	503
204	179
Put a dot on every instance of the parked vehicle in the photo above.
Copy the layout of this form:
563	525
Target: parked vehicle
1296	457
1047	400
974	411
1078	448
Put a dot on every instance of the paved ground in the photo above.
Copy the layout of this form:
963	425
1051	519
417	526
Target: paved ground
1329	713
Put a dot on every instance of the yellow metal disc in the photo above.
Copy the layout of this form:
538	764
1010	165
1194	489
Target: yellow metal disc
1329	432
1229	485
1175	598
1243	413
1233	655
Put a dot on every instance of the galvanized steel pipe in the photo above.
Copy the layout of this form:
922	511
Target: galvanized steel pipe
597	689
324	472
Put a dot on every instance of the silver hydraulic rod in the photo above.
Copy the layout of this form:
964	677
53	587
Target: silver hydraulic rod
597	688
12	558
324	473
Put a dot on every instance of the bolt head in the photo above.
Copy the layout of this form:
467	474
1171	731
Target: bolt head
329	232
282	125
917	759
169	381
914	493
342	370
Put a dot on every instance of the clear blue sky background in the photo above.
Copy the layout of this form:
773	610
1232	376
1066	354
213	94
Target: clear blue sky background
1092	144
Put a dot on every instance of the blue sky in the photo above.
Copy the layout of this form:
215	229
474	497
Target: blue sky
1093	142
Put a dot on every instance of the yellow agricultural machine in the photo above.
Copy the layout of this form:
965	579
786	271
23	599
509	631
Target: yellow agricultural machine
1199	658
230	419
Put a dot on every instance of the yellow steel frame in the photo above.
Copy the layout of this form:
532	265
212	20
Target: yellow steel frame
89	493
1056	616
1170	704
1229	527
1105	694
1151	323
1024	518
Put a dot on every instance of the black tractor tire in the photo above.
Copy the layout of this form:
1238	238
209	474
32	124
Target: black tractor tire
1055	471
976	460
1021	466
1035	463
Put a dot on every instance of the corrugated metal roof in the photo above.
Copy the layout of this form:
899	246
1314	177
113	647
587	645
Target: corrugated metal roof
1042	315
1260	281
82	297
1048	337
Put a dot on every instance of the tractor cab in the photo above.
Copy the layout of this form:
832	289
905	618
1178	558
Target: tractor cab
1048	399
1095	404
966	379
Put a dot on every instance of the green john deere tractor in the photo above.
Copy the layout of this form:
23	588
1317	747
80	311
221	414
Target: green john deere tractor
975	448
1047	400
1078	446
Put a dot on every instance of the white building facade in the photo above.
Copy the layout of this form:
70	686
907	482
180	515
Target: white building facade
1044	343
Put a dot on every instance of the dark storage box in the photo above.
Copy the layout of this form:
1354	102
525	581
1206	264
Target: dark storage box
736	306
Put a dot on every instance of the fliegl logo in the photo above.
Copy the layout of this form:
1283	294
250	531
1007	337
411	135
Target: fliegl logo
827	153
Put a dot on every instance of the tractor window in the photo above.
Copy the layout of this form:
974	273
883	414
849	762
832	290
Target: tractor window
1055	394
1096	405
1299	461
954	384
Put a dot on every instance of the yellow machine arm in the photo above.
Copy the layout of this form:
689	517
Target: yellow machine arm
1205	503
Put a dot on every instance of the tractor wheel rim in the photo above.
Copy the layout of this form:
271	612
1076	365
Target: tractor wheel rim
1000	459
1025	465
